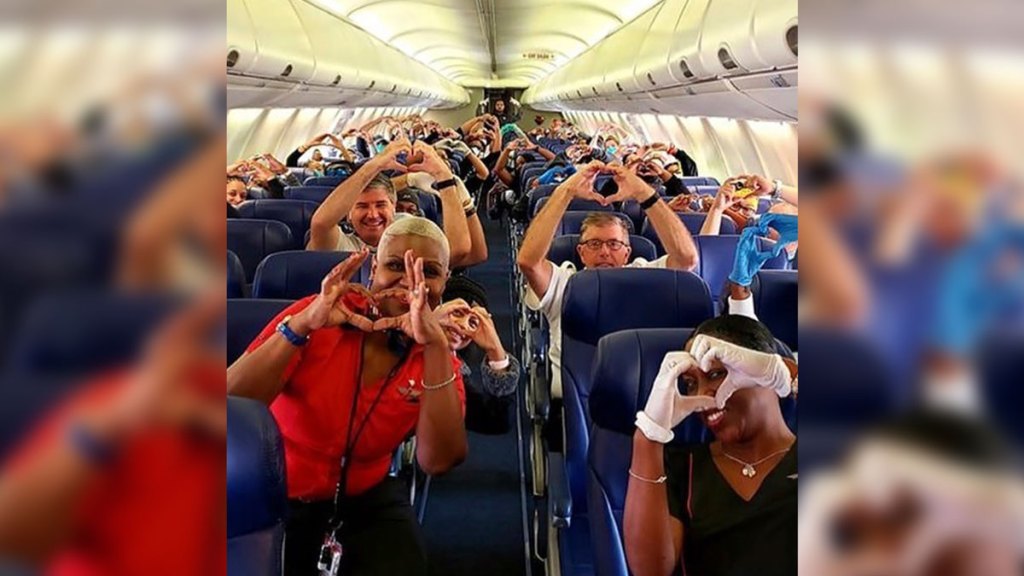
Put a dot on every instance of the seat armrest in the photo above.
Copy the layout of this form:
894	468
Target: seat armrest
559	498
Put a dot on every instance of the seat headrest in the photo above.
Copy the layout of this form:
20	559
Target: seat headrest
625	367
599	302
256	485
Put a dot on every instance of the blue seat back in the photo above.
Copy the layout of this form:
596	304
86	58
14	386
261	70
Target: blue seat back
1001	360
253	240
705	190
78	333
296	274
718	254
296	214
572	221
691	181
312	193
540	192
430	205
625	367
692	221
257	491
776	294
577	205
246	317
599	302
846	386
236	277
563	249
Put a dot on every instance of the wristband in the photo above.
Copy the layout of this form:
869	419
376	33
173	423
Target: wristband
471	212
290	335
499	365
443	184
650	201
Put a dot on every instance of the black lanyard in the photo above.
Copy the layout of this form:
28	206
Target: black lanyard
350	441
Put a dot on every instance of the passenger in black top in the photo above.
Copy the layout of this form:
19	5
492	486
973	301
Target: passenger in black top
728	508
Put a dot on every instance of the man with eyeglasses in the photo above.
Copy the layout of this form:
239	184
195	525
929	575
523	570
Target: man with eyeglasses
604	243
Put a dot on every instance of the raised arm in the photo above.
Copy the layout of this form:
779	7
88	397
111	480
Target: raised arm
653	538
260	374
724	200
682	252
453	198
500	168
293	159
533	254
323	226
345	154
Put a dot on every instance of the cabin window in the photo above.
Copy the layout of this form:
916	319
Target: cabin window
791	39
232	58
619	86
650	78
337	80
372	84
595	91
287	70
726	59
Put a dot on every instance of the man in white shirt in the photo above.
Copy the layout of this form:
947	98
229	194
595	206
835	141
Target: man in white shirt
368	199
604	243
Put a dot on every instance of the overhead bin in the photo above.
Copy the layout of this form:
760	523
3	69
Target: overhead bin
241	37
293	53
684	63
337	47
650	67
696	57
775	32
282	46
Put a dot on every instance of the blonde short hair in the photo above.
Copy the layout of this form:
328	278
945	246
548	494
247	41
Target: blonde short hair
416	226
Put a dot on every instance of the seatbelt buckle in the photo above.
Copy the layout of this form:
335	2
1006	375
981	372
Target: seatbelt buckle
329	562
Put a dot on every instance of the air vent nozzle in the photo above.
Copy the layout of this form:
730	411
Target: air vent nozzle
232	58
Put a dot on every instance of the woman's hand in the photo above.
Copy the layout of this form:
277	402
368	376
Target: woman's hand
339	301
747	368
486	336
666	407
459	321
420	323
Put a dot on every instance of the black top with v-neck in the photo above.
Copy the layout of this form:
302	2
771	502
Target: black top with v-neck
723	534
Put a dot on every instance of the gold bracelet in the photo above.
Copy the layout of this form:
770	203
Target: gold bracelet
660	480
441	385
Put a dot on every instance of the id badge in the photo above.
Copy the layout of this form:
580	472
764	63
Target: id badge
329	563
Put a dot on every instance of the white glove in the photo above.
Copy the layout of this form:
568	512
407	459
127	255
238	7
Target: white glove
747	368
666	407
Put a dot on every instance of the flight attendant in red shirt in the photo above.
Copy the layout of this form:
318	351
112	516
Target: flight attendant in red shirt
349	374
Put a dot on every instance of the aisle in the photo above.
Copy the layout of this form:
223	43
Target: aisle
474	518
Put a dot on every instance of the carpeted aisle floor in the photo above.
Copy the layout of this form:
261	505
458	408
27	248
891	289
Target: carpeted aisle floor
473	520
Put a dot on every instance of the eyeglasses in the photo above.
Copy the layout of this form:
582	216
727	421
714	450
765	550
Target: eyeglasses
613	245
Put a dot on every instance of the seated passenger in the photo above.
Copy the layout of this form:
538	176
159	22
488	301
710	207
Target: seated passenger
604	243
408	202
349	375
727	508
237	192
316	164
368	199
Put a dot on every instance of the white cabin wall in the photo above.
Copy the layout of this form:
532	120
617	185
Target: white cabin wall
721	147
280	130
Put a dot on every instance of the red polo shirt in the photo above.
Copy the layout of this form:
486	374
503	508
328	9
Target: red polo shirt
158	508
313	410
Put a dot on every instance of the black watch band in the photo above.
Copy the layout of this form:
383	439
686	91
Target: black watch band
443	184
650	201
